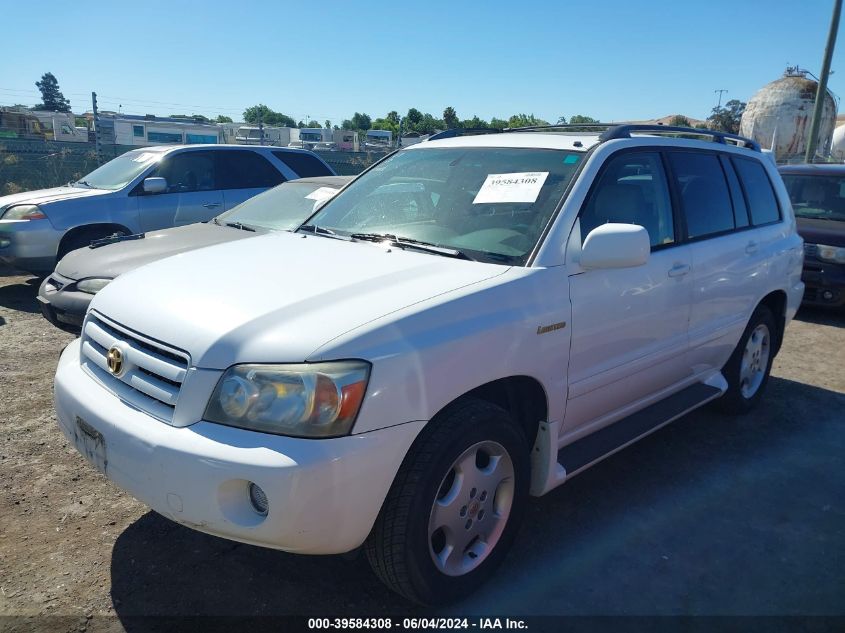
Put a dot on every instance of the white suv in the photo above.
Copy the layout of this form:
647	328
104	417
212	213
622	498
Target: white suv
471	321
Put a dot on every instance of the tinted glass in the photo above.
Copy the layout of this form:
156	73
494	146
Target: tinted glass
281	208
164	137
758	190
493	204
188	171
740	208
632	190
704	193
304	165
819	197
244	169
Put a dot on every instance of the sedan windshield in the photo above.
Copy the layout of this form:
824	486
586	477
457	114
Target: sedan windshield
282	208
817	197
119	172
491	203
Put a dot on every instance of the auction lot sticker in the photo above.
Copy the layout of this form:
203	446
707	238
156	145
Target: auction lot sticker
517	187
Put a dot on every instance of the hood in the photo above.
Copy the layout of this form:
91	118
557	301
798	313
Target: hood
119	258
830	232
45	196
277	297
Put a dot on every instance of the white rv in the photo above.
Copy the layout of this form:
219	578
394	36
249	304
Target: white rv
60	126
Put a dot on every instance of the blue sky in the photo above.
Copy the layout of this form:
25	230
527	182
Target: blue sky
608	59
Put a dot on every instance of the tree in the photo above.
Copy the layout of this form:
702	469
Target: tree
525	120
346	124
727	117
561	120
580	119
450	118
393	117
267	116
474	123
51	97
679	120
223	119
413	117
327	124
386	123
361	121
498	123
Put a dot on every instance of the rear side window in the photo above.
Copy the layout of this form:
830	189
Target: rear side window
704	193
245	169
305	165
758	191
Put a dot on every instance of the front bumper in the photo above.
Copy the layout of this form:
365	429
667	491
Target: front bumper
62	304
324	495
29	245
825	283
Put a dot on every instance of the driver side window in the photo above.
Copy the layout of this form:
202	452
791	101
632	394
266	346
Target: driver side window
632	190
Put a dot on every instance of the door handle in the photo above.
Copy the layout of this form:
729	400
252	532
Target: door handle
751	247
679	270
211	205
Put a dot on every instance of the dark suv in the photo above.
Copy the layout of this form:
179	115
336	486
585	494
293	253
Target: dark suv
818	198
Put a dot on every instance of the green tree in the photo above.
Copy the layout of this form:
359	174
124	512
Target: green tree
579	119
327	124
474	123
393	117
361	121
413	118
223	119
679	120
51	97
525	120
386	123
727	117
267	116
346	124
561	120
450	118
498	123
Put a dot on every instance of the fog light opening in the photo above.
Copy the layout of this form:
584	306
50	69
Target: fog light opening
258	499
827	295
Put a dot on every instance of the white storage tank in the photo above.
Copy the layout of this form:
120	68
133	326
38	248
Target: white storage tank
779	116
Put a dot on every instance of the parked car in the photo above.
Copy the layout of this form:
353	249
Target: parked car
65	294
472	321
325	146
142	190
818	200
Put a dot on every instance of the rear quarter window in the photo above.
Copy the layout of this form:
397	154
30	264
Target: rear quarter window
762	202
304	165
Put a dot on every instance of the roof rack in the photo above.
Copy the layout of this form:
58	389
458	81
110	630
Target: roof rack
468	131
624	131
562	126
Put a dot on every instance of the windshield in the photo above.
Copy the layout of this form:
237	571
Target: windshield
491	203
817	197
282	208
119	172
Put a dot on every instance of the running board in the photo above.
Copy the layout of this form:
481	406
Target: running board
575	456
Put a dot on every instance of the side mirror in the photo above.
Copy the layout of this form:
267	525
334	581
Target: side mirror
155	184
615	246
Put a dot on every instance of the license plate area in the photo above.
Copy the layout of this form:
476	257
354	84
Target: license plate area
91	443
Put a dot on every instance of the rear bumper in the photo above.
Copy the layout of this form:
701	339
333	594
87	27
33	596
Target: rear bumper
324	495
29	245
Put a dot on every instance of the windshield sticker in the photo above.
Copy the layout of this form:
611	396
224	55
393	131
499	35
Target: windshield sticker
571	159
323	193
516	187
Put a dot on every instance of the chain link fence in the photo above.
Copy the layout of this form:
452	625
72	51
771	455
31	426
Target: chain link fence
28	165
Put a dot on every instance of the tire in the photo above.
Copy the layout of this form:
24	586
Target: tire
83	238
444	480
747	370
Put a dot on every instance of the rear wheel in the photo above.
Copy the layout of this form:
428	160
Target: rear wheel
747	370
454	507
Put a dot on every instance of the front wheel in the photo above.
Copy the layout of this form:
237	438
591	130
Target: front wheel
455	505
747	370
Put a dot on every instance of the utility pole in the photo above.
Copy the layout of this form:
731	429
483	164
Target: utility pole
821	92
260	129
96	128
719	105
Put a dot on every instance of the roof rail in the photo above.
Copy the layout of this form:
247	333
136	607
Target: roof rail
562	126
624	131
468	131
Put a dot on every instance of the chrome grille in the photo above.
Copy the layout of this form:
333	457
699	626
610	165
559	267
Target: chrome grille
152	374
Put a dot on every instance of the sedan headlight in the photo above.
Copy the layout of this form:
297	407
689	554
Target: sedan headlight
301	400
834	254
92	286
24	212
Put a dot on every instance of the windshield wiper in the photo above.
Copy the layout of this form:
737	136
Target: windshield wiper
114	239
320	230
85	183
239	225
407	242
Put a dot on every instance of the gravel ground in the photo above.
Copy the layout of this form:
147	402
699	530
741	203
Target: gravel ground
709	516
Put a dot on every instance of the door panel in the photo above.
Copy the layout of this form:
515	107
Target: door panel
629	325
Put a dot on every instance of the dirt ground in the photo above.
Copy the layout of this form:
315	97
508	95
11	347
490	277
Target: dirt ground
709	516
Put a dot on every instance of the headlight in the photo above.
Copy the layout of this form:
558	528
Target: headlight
831	253
24	212
302	400
92	286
